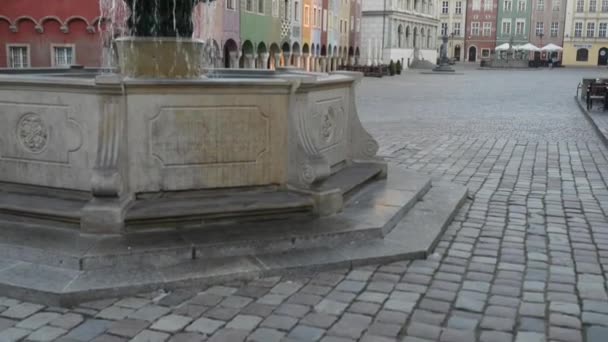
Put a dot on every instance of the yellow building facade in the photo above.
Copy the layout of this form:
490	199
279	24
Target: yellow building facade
586	33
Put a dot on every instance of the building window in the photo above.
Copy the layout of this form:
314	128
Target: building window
604	5
592	5
554	28
475	28
602	30
519	27
18	57
325	24
352	23
506	27
456	29
275	8
556	5
314	17
458	7
445	9
476	5
488	5
507	5
296	11
578	29
487	29
590	30
249	5
582	55
230	4
358	24
444	29
540	28
261	6
521	6
580	6
540	5
306	15
63	55
485	52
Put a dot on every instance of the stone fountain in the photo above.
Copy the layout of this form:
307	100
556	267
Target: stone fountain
158	177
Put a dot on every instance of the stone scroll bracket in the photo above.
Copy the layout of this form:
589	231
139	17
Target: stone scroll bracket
105	213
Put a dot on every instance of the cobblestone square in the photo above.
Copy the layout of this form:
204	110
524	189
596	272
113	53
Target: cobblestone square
522	261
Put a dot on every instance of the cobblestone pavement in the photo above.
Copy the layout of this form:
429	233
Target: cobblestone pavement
523	261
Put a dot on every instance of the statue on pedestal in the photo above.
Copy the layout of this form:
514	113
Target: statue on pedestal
444	61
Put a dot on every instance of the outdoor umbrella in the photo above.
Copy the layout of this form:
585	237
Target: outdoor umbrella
502	47
551	47
528	47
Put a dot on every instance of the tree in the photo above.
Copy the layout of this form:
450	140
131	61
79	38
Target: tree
161	18
391	68
398	67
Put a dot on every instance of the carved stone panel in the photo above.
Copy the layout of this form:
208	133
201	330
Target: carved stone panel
38	133
208	136
328	128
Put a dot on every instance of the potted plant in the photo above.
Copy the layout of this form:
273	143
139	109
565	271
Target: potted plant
398	67
161	44
391	68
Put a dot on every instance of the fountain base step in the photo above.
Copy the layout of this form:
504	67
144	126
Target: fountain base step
396	218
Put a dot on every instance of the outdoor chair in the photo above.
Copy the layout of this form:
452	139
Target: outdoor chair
597	91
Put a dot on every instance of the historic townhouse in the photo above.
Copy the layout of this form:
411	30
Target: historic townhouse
452	16
585	42
480	34
547	20
404	30
513	21
312	34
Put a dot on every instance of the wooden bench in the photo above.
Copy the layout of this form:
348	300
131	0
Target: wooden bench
598	92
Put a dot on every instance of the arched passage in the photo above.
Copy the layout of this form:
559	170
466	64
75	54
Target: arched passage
262	52
414	42
230	54
400	36
275	52
286	54
247	58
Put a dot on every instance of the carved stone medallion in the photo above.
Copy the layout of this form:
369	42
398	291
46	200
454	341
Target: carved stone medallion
328	126
32	132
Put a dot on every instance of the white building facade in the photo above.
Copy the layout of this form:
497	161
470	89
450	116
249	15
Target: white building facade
399	30
452	17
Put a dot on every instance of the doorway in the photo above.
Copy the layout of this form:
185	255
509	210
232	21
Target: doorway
457	53
472	54
602	57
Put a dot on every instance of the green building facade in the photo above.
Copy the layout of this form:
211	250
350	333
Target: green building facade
513	21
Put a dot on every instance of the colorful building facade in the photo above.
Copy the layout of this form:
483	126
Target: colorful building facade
513	22
452	16
480	34
240	33
585	38
547	24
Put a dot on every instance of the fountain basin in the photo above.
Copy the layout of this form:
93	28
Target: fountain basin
106	145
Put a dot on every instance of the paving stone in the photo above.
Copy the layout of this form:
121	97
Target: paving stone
46	333
223	291
565	334
89	329
108	338
532	309
21	311
151	336
593	318
463	323
190	310
384	329
596	334
350	325
150	313
319	320
205	326
284	323
272	299
388	316
98	304
244	322
293	310
427	317
469	304
453	335
13	334
236	302
37	320
115	313
131	303
497	323
330	307
223	335
304	299
266	335
305	333
128	327
531	324
530	337
221	313
176	298
206	299
336	339
67	321
171	323
258	309
367	337
565	308
422	330
495	336
286	288
364	308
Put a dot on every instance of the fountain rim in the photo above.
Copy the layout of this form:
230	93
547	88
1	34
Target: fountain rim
158	39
